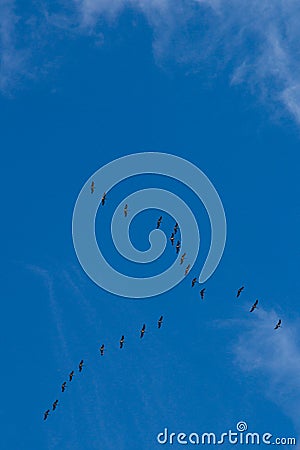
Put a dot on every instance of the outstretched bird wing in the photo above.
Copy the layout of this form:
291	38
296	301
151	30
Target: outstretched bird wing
239	291
278	324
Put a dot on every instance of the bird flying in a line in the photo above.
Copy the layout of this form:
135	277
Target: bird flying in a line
103	199
178	247
143	331
63	386
175	228
125	210
122	340
71	375
278	325
159	222
254	306
92	187
240	290
202	293
182	258
160	321
80	365
102	350
172	239
54	405
194	281
187	270
46	414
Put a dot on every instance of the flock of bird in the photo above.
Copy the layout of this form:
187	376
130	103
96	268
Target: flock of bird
101	350
160	321
63	388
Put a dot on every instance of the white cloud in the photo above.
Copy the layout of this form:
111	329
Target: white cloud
258	39
274	355
12	59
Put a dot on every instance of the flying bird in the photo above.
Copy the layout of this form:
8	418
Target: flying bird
92	187
187	270
159	323
80	365
122	340
63	386
175	228
182	258
46	414
202	293
240	291
159	222
253	307
278	325
172	238
178	247
143	331
54	405
194	281
103	199
125	210
102	350
71	375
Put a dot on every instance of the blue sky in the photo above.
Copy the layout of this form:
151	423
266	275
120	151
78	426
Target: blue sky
84	83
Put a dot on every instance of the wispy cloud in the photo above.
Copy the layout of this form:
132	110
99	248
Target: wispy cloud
257	43
93	416
12	59
57	316
275	357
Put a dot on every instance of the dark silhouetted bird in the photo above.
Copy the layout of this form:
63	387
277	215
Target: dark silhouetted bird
102	350
194	281
71	375
125	210
254	306
103	199
178	245
176	228
143	331
240	291
182	258
80	367
202	293
54	405
172	239
278	325
159	323
159	222
92	187
63	386
46	414
122	340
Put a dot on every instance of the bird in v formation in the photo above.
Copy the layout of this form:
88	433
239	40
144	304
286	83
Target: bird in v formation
160	321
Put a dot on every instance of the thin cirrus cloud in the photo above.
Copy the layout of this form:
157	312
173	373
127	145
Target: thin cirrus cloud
12	60
256	43
259	41
274	356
